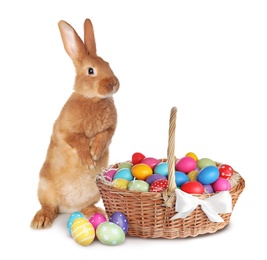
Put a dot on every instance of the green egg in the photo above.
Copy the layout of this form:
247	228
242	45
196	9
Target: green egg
138	185
125	165
203	162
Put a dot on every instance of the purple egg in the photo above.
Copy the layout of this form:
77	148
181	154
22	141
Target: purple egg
208	188
121	220
154	177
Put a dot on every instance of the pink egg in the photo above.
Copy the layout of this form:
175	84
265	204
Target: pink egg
221	184
97	219
185	164
109	174
151	161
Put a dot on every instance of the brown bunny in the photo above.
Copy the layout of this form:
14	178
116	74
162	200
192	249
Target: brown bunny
82	133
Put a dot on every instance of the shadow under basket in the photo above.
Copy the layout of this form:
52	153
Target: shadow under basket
149	213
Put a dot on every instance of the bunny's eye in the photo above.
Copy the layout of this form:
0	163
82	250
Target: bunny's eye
91	71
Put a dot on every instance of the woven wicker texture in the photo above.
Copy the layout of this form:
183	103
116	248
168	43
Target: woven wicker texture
149	213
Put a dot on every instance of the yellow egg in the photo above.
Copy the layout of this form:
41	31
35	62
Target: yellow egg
121	183
141	171
192	155
192	175
83	231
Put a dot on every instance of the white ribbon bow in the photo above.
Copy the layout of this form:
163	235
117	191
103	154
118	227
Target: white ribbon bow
218	203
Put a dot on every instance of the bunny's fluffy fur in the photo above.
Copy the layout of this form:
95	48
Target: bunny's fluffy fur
82	133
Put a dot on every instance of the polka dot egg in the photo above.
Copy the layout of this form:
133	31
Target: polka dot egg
121	220
96	219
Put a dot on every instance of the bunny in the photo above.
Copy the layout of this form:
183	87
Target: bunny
79	144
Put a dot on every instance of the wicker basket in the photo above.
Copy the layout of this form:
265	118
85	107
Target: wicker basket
149	213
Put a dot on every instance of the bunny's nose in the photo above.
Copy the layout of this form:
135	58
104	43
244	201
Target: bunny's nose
112	83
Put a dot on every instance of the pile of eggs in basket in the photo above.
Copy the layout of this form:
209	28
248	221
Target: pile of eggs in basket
192	175
110	231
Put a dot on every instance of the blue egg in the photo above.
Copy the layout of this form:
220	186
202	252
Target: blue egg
161	168
180	178
124	173
72	217
208	175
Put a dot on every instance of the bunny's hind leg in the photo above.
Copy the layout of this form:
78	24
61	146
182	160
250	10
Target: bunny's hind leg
48	199
91	210
44	217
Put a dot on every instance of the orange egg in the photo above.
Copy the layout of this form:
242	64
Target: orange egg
141	171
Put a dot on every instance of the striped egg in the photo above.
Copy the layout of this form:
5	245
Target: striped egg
83	231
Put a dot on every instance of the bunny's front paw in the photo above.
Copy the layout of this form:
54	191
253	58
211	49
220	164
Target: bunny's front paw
97	149
88	161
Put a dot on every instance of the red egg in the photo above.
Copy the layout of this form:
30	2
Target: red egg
159	185
193	187
186	164
137	158
226	171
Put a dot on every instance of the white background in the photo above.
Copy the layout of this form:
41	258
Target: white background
207	58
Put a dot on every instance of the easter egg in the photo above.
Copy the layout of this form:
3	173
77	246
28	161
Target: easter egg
208	174
208	188
185	164
110	234
141	171
151	161
121	220
226	171
150	179
96	219
193	187
109	174
137	158
159	186
193	155
71	219
221	184
83	231
120	184
125	165
180	178
203	162
161	168
124	173
192	175
138	185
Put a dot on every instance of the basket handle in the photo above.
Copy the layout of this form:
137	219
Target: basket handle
168	193
171	151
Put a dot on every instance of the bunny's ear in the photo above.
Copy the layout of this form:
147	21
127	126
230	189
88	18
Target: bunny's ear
89	37
72	42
